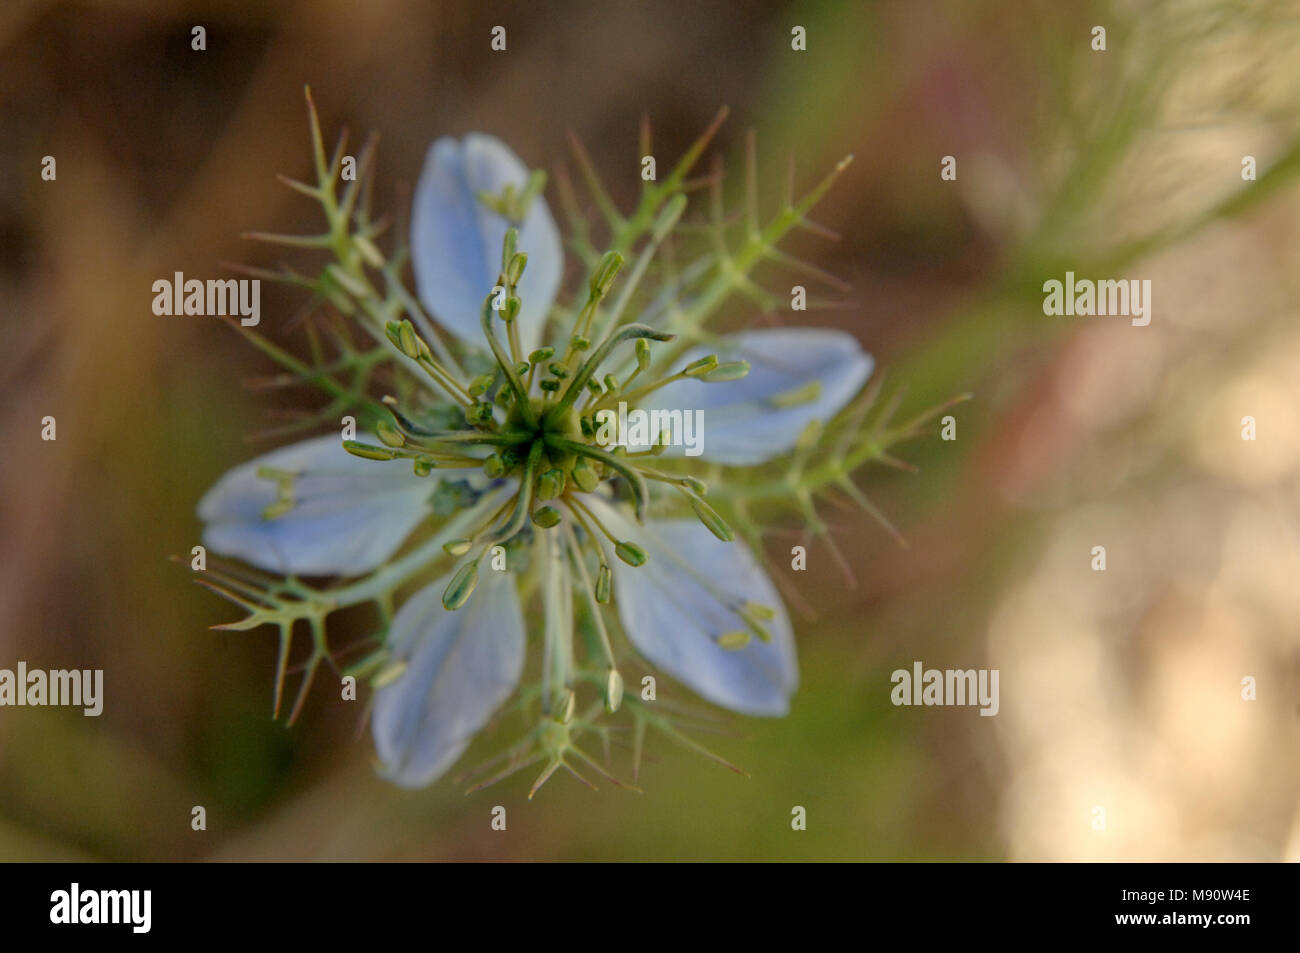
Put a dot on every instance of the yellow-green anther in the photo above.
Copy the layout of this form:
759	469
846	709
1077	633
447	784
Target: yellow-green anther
549	384
540	355
550	485
611	383
809	436
369	251
389	435
804	394
479	385
613	691
546	516
731	641
754	614
349	284
668	217
558	370
585	475
727	371
368	452
695	485
284	501
422	466
593	385
579	343
457	547
511	310
509	244
564	714
408	341
608	268
604	583
630	553
276	474
389	673
461	586
710	518
642	355
758	629
277	509
494	466
497	203
701	367
515	270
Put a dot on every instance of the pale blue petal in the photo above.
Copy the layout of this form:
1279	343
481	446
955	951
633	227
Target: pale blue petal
741	425
460	667
685	595
456	240
350	516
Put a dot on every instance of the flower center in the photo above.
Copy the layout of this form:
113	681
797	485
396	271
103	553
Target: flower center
532	419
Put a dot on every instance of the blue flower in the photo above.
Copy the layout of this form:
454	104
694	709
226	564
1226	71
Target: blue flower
690	599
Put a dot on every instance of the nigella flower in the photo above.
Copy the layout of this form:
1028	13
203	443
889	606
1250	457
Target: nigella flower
492	489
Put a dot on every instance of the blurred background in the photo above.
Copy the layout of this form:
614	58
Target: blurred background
1120	690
